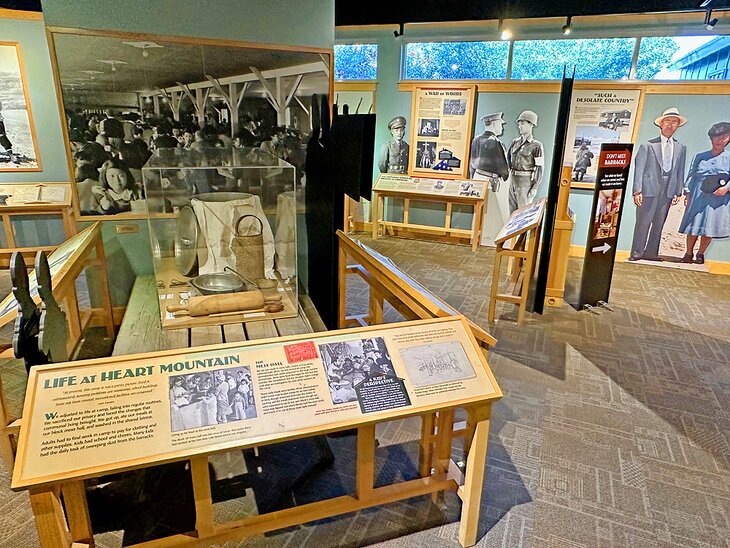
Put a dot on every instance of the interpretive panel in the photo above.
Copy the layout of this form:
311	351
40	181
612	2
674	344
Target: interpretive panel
84	418
522	220
598	117
436	187
441	131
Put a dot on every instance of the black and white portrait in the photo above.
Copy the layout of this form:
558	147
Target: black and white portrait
429	127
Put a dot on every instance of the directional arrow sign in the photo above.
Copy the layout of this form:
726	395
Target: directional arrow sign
605	247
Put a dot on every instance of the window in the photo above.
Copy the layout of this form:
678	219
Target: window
456	60
593	59
683	58
356	61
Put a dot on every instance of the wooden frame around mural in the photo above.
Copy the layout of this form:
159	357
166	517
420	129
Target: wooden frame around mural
31	125
52	31
464	128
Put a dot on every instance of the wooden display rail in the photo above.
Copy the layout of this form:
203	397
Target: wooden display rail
389	283
524	228
64	209
86	249
472	235
170	287
59	502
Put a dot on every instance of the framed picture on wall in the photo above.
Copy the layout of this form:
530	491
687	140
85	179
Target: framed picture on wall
441	127
184	102
18	144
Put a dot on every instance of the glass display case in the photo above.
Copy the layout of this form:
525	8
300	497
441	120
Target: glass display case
222	224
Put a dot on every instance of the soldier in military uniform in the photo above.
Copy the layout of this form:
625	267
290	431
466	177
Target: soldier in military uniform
526	163
393	156
487	161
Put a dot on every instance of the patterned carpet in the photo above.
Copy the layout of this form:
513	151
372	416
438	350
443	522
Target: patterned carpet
614	430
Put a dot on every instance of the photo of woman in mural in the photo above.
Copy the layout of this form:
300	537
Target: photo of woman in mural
707	195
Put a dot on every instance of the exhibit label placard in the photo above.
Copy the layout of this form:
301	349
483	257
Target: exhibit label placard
522	220
390	182
85	418
441	126
614	161
598	117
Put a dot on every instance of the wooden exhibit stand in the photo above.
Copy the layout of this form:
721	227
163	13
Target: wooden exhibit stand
524	227
67	262
562	234
389	283
47	199
450	193
56	481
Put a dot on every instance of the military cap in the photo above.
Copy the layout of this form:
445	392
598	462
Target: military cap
398	121
492	117
720	128
528	116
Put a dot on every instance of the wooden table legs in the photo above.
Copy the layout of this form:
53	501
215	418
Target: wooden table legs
476	438
62	513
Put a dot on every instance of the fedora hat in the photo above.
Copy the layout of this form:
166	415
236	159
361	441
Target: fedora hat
671	111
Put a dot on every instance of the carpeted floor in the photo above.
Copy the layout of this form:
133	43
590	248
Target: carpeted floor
614	430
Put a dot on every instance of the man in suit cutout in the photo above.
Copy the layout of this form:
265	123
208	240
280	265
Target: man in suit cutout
658	179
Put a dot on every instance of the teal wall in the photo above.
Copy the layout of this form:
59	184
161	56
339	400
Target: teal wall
702	111
31	36
301	23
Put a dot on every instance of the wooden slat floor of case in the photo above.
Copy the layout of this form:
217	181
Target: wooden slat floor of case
292	326
173	339
203	336
233	332
264	329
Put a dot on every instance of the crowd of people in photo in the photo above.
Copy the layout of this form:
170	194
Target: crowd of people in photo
207	399
110	151
346	368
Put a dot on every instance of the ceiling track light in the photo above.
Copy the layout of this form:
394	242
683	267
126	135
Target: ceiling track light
710	21
504	34
568	26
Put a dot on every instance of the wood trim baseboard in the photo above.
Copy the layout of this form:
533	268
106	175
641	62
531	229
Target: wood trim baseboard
714	267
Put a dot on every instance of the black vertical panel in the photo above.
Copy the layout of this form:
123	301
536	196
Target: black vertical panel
566	90
614	161
339	161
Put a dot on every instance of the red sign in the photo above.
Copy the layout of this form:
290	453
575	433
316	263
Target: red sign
614	159
300	352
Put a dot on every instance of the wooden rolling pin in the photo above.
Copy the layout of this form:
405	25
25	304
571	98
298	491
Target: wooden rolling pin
229	302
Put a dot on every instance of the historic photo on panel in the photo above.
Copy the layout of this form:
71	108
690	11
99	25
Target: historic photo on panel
348	363
436	363
207	399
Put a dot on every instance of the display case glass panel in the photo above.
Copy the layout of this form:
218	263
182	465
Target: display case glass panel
223	221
